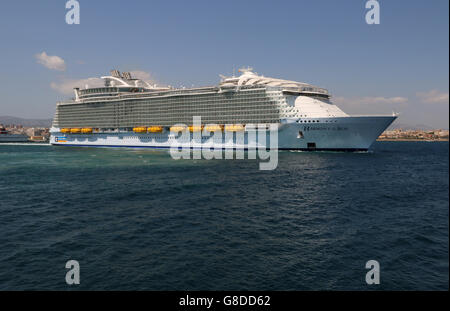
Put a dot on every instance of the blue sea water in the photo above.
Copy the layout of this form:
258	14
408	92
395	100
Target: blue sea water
138	220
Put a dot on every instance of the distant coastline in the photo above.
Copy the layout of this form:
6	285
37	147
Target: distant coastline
24	122
412	139
414	135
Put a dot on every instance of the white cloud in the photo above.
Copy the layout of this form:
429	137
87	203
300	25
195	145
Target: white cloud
370	100
143	75
51	62
66	86
433	97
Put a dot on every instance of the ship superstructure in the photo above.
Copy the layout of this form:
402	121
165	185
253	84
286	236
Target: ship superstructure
133	113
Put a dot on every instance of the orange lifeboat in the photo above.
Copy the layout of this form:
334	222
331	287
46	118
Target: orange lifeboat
214	128
177	128
155	129
195	128
234	127
140	129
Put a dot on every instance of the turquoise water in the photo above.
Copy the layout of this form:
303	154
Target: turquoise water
136	219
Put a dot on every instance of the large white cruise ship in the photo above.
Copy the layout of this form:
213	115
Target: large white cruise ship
129	112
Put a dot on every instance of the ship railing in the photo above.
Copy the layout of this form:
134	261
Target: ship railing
307	89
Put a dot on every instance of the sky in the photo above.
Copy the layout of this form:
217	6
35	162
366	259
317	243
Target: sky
400	65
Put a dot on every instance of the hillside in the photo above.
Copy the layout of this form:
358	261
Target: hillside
7	120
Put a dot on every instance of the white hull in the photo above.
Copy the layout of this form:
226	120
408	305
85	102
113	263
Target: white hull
341	133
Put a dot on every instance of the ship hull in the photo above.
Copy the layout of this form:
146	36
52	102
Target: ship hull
332	134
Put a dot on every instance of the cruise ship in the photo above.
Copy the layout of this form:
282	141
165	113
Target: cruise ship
6	137
129	112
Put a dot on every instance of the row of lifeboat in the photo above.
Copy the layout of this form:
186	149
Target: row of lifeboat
160	129
86	130
150	129
193	128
